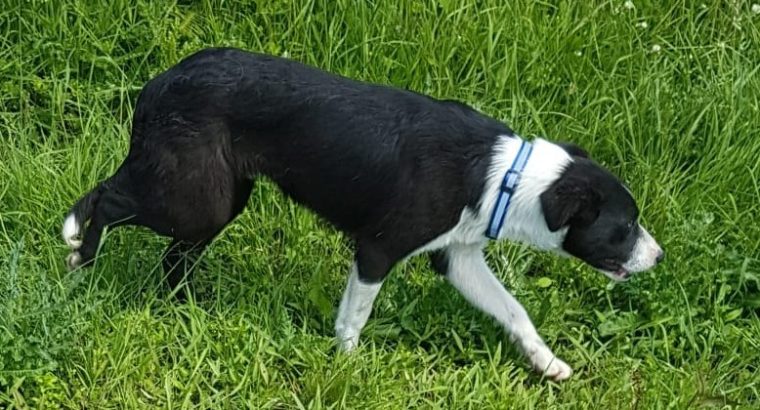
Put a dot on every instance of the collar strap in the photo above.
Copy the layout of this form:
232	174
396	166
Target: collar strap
507	190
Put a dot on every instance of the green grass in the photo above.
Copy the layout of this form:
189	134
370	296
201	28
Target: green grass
671	107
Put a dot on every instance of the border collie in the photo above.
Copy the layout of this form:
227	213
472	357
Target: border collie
399	172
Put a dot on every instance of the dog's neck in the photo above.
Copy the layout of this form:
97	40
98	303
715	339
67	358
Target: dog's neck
525	220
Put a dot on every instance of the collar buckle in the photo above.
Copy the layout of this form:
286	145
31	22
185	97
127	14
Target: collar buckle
510	181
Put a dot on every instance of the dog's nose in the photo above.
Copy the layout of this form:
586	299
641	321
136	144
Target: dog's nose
660	256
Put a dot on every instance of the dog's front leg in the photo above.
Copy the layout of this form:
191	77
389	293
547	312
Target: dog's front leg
466	270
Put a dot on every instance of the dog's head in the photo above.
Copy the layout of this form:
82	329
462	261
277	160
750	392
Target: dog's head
601	218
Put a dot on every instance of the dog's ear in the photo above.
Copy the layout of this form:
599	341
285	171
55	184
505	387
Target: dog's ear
573	149
570	200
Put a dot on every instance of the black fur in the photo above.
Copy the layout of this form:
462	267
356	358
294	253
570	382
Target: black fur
573	149
392	168
439	262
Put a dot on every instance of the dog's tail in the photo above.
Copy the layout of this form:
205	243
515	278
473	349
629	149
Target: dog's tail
78	215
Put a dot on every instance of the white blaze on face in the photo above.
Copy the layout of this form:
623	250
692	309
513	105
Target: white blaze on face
644	254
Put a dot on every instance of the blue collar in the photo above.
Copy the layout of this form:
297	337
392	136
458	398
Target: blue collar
507	190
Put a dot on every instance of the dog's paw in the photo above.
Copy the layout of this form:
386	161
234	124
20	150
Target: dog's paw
558	370
347	341
348	346
544	361
74	260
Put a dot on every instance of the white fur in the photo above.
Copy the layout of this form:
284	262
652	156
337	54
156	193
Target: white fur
645	253
71	232
354	310
469	273
525	220
468	270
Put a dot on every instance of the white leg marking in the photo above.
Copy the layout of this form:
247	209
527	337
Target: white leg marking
354	310
469	273
71	232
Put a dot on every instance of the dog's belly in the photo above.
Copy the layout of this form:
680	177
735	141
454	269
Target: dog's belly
351	204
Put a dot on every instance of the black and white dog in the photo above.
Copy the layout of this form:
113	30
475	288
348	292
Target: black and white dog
400	172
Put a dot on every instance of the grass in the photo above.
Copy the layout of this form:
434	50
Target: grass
667	96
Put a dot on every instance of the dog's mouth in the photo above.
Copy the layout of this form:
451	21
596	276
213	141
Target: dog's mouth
614	270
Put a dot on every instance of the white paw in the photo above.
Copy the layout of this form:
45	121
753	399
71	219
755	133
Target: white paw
74	260
558	370
347	343
544	361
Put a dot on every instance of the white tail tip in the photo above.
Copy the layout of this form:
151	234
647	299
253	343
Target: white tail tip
71	232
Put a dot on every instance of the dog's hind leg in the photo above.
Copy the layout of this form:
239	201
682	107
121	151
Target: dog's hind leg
189	242
179	260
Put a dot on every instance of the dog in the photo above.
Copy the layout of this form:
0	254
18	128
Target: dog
399	172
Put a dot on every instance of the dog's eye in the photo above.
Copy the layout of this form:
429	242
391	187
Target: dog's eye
623	232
